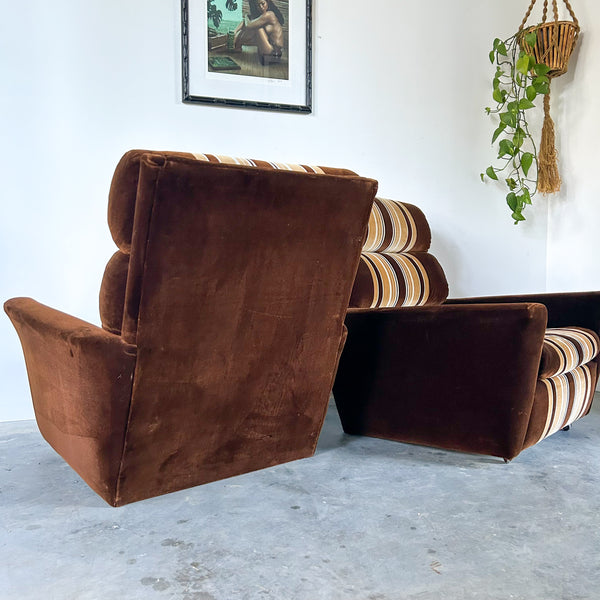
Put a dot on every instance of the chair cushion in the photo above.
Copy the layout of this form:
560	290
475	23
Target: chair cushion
112	292
121	210
569	397
567	348
122	195
397	227
123	189
270	165
387	280
566	382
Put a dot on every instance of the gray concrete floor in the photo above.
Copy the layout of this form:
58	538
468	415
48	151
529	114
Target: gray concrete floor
363	519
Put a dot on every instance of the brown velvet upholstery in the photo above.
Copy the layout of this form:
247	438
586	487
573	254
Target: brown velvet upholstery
465	375
112	292
231	312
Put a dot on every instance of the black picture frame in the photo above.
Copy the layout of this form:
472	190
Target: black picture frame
215	73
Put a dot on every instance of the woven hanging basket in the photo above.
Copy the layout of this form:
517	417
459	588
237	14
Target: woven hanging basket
554	44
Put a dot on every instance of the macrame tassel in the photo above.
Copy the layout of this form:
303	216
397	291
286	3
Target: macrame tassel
548	177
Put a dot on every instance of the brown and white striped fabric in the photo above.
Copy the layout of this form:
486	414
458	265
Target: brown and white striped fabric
395	268
566	380
569	397
397	227
567	348
387	279
262	164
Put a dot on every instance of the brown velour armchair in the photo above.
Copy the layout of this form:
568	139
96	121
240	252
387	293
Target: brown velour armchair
222	323
484	375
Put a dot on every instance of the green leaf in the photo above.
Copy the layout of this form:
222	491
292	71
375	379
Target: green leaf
531	92
523	64
518	138
524	104
511	183
492	56
526	196
498	131
531	38
509	119
490	173
541	69
500	47
498	96
526	162
511	200
541	86
482	176
506	147
518	204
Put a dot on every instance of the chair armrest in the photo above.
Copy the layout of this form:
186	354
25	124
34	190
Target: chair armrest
80	378
459	377
574	309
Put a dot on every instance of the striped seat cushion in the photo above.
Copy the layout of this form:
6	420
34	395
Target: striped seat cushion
567	348
569	397
387	280
397	227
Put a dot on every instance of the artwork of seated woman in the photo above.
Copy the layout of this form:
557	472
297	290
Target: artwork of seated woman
262	28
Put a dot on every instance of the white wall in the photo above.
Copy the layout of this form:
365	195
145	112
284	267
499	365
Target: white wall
574	223
398	95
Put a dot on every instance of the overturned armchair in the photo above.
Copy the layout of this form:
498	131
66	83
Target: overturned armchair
222	323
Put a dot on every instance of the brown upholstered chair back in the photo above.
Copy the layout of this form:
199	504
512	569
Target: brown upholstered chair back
121	215
223	323
232	281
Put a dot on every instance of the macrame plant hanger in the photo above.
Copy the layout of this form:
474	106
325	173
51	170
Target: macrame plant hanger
554	44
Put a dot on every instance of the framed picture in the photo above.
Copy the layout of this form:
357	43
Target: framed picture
248	53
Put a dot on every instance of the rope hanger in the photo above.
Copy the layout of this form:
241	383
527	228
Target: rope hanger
545	12
555	42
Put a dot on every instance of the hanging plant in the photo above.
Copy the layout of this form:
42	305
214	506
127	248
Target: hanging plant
525	64
517	82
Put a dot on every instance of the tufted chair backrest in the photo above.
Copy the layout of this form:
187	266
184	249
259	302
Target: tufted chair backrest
396	268
118	310
232	281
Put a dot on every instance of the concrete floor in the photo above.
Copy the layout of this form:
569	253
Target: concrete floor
363	519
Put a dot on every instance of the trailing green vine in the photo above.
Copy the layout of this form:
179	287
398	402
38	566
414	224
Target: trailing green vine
517	82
